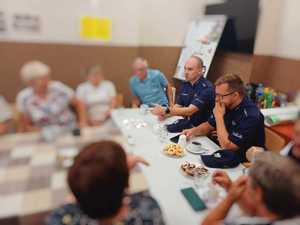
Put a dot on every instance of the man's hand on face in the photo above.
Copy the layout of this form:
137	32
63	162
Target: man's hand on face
219	110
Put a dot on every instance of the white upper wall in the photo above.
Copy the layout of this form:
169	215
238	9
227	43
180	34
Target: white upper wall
289	33
279	29
61	19
135	22
151	22
267	31
165	22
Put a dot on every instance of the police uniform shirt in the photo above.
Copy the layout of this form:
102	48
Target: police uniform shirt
202	95
245	125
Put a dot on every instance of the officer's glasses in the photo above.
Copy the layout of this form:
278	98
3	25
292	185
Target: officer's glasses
222	96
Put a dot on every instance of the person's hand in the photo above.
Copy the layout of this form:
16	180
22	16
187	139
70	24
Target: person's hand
95	123
83	124
237	188
107	114
219	110
133	160
221	178
188	133
158	111
3	128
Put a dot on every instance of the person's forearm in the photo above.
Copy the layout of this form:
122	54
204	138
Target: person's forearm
220	212
3	127
135	103
25	124
82	112
181	111
222	133
113	103
202	130
170	96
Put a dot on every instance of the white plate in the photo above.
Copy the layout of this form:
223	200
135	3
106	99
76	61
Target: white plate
196	149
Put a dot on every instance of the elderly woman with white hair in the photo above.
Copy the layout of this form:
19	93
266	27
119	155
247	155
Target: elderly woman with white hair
45	102
98	95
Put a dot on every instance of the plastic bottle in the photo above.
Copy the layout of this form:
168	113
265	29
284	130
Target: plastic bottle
259	94
269	99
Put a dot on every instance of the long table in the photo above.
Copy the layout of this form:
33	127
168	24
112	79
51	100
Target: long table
163	176
32	183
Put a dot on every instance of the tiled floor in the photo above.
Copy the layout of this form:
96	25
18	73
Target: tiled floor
31	181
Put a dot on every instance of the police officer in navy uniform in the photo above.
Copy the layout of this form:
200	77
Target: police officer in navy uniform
238	122
195	100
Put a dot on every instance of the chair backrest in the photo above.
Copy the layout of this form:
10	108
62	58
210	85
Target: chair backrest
120	100
274	141
174	94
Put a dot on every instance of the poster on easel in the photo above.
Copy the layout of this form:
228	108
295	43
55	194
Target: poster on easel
202	40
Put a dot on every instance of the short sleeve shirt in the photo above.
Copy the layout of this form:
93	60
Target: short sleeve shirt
96	98
245	125
151	90
201	95
53	110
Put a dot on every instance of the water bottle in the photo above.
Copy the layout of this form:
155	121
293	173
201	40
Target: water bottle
269	100
259	94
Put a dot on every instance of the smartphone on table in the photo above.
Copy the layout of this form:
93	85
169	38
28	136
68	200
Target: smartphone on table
193	199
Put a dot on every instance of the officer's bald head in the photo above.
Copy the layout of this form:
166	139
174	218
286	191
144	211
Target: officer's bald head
193	69
197	60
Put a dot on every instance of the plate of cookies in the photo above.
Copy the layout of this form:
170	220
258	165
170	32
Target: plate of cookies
174	150
192	169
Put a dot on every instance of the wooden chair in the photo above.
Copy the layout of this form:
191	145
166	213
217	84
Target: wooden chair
174	94
274	141
120	100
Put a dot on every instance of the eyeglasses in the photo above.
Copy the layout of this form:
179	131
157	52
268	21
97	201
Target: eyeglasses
222	96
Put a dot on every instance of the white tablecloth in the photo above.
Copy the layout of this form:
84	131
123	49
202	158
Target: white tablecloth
163	175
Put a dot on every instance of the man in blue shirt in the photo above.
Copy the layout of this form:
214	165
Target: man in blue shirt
238	122
195	99
149	86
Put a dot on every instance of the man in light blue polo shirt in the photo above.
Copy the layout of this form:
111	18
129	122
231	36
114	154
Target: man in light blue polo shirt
149	86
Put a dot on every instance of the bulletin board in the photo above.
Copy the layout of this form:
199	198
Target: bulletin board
202	40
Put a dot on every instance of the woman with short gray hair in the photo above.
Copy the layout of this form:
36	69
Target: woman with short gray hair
45	102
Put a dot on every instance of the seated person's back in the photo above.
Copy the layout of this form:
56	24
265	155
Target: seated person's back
99	181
